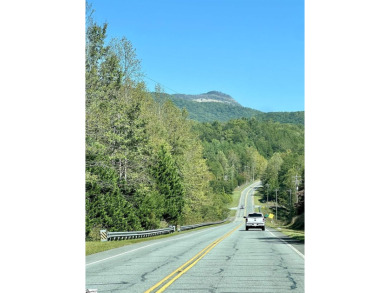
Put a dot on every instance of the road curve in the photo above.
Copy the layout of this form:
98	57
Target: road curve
225	258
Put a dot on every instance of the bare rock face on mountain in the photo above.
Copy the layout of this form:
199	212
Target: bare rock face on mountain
212	96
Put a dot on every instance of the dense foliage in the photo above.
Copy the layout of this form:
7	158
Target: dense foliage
242	150
283	117
148	165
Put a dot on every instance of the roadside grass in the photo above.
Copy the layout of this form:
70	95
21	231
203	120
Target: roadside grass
296	234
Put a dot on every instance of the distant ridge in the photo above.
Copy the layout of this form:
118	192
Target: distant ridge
212	96
218	106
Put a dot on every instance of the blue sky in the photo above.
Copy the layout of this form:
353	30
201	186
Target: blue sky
251	50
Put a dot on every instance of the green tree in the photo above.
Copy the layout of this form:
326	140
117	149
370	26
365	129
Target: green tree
170	186
129	63
271	175
106	207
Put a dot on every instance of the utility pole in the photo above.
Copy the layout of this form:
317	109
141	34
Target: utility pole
290	196
276	204
296	181
267	185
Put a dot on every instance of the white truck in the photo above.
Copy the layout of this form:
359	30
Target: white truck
254	220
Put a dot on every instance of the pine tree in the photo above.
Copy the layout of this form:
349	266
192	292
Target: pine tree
170	186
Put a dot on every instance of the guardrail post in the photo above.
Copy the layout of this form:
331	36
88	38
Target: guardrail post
103	235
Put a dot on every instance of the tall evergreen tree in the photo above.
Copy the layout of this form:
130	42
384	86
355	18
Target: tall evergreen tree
170	186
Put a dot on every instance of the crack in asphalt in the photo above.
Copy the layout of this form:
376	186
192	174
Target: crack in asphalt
289	276
220	271
113	283
175	257
294	285
125	288
143	276
213	289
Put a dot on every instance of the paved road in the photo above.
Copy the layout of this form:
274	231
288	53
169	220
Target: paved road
217	259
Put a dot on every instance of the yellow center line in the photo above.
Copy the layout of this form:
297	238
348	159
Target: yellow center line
246	199
177	270
189	264
246	202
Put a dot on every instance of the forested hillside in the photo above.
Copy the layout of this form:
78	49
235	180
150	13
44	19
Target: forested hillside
144	165
222	112
148	165
241	150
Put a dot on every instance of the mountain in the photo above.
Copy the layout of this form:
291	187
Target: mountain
217	106
213	96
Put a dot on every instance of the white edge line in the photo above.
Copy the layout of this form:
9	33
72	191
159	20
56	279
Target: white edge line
292	247
91	263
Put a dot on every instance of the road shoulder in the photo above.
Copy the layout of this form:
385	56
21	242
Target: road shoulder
297	244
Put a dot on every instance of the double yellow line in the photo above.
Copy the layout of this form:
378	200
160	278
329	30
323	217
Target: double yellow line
246	201
172	277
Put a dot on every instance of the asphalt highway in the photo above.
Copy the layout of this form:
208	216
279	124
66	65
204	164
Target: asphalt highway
223	258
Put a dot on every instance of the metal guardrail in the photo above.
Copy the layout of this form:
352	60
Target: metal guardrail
109	236
182	228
